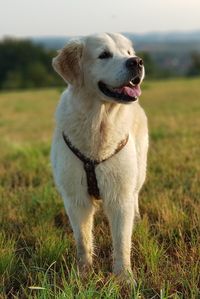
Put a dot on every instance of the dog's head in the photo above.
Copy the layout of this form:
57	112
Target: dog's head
104	66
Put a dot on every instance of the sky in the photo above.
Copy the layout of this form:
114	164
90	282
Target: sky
25	18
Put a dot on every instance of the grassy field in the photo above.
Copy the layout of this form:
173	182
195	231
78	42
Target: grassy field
37	250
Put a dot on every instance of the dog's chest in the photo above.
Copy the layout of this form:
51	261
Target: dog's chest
115	175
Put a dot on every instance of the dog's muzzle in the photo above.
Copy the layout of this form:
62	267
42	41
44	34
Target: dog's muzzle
129	91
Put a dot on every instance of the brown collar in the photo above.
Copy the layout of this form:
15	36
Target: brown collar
89	165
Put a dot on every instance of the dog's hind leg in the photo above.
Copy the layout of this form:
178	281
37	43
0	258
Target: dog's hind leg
121	216
81	219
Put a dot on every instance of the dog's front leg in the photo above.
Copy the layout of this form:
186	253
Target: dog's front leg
121	216
136	205
81	219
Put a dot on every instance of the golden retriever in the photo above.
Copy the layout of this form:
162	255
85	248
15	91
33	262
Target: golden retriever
100	144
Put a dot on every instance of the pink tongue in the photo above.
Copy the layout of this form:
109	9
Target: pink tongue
134	91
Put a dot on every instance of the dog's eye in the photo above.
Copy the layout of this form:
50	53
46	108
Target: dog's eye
129	53
105	55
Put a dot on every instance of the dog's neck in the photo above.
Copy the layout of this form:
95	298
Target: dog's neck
95	128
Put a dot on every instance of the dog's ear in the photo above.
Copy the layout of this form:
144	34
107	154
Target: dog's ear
68	62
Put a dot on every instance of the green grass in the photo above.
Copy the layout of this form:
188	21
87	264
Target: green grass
37	250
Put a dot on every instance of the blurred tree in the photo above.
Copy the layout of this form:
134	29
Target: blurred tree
38	74
194	69
13	80
24	64
152	70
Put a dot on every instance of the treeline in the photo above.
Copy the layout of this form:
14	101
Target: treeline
24	64
155	70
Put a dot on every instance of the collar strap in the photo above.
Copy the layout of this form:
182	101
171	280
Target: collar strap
89	165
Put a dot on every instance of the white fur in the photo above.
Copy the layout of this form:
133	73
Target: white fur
95	125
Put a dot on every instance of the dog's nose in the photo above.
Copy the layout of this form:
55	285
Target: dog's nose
134	62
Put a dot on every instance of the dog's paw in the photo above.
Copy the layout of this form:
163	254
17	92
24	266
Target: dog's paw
125	276
84	268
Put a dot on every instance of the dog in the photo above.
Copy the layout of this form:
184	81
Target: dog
100	143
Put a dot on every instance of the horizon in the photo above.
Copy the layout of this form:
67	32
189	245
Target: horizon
153	32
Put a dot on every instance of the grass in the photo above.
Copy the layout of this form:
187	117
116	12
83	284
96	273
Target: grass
37	250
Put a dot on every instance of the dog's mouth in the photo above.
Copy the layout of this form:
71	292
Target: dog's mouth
125	93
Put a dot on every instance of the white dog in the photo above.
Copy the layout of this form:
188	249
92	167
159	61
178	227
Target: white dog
100	144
